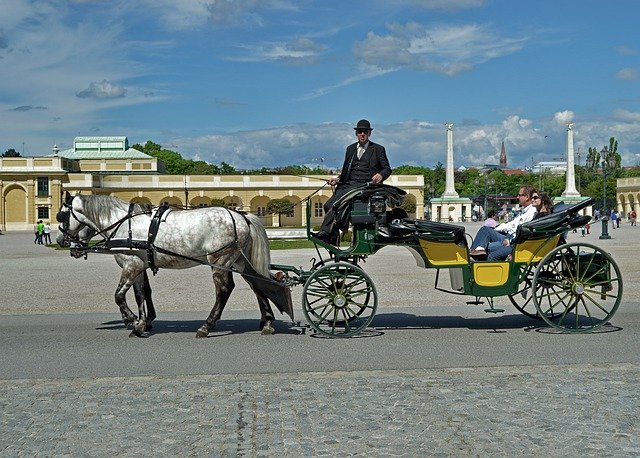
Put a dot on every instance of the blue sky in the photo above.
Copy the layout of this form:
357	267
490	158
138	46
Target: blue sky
261	83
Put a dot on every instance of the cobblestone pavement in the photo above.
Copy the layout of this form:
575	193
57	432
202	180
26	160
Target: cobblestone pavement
587	410
543	411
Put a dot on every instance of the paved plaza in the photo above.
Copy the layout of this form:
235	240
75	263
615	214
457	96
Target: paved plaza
557	409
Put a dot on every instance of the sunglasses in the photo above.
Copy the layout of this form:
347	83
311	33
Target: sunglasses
535	197
362	131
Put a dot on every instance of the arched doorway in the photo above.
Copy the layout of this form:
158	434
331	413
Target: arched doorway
15	208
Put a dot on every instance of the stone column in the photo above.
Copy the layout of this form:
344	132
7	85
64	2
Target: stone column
570	187
450	190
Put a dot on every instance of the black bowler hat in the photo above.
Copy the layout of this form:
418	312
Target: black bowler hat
363	124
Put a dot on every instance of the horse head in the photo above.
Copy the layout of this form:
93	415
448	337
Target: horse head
75	229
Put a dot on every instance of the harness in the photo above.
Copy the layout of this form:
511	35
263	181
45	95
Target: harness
109	244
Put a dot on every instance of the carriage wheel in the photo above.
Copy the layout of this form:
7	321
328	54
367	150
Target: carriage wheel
339	300
577	287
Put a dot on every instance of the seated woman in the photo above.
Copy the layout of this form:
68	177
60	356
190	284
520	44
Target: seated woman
543	204
488	239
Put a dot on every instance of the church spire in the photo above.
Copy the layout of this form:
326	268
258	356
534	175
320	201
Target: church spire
503	156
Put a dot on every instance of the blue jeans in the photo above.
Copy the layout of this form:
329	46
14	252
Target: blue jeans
486	236
491	240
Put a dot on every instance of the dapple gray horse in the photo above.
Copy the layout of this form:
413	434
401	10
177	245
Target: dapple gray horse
226	240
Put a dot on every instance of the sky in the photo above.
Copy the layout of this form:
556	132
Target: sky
268	83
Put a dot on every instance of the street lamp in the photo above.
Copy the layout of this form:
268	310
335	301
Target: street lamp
488	183
430	196
605	219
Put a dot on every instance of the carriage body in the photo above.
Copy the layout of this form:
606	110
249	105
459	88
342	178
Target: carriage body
575	287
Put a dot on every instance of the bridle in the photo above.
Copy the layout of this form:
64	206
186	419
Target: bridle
79	243
73	240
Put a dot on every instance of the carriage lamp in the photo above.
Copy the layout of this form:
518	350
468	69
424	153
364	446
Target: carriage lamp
377	204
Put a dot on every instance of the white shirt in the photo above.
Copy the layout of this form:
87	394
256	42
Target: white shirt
361	149
511	227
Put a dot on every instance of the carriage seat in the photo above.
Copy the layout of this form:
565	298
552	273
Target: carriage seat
432	231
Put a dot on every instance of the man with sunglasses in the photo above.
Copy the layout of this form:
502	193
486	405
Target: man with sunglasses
364	162
488	242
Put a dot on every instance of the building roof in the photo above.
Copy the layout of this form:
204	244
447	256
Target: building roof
102	148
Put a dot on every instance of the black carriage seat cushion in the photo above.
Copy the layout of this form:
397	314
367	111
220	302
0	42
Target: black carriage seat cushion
553	224
435	231
342	207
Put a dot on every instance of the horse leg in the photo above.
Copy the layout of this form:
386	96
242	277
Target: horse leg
224	284
267	318
127	279
142	292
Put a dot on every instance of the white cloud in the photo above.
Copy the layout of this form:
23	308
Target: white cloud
446	49
627	74
298	51
102	90
563	117
192	14
627	116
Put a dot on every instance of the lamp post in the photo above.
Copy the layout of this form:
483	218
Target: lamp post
488	182
430	196
605	219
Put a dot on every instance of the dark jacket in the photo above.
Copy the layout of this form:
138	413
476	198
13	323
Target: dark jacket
378	162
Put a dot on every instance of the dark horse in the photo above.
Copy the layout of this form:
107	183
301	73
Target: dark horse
140	237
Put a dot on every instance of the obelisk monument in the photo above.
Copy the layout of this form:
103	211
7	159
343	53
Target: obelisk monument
570	187
450	189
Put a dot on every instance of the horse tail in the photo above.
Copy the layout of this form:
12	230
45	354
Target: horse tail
260	255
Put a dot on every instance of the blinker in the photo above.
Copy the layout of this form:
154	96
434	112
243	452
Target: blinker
62	217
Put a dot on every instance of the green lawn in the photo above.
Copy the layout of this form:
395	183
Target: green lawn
289	244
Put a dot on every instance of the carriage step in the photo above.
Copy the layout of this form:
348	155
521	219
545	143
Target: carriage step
494	310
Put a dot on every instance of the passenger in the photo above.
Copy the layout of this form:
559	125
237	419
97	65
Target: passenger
364	162
543	204
489	239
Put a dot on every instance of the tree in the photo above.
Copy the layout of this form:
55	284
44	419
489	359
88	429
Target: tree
11	153
280	207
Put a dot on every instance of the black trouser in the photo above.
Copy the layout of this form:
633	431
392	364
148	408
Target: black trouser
329	214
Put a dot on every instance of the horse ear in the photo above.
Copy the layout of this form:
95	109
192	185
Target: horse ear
68	198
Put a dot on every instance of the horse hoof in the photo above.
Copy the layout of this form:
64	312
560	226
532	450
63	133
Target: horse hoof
201	333
268	330
135	333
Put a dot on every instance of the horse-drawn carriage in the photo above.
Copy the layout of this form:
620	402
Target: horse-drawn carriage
575	287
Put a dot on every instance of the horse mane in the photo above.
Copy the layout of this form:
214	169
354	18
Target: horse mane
103	208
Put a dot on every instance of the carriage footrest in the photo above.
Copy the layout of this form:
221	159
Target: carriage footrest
493	310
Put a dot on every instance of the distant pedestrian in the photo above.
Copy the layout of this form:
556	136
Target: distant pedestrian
39	232
492	219
47	234
614	219
632	218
